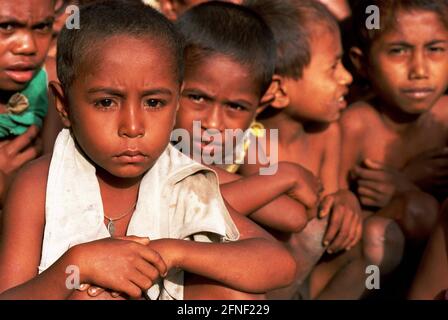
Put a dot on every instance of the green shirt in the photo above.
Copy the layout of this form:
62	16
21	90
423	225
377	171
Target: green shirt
36	94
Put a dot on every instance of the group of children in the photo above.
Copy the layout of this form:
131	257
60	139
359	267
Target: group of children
213	156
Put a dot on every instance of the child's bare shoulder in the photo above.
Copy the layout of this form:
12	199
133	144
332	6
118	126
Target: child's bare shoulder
358	117
440	109
31	180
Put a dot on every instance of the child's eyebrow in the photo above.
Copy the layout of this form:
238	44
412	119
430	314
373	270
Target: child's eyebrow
196	91
408	45
110	91
400	43
434	42
21	23
48	19
4	19
241	102
119	93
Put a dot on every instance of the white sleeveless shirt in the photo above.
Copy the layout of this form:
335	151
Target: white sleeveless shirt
178	198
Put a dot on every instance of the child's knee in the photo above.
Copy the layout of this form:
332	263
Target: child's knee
420	215
383	243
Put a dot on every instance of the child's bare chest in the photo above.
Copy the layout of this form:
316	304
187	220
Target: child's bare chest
306	152
396	149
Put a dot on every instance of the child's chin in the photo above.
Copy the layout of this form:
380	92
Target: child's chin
12	86
130	172
417	109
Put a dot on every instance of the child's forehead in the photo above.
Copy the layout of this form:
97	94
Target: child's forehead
114	56
409	23
230	62
26	10
117	46
214	71
325	41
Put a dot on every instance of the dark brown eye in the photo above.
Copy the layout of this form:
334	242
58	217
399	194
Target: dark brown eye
196	98
104	103
155	103
7	27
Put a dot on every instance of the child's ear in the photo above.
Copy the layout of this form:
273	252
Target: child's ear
276	96
168	8
358	59
60	102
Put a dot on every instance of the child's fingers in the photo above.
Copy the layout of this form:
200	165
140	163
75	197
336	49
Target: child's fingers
131	289
370	191
343	234
22	141
94	291
142	240
141	281
357	237
375	165
352	233
334	225
83	287
148	270
325	206
367	201
369	174
155	259
29	154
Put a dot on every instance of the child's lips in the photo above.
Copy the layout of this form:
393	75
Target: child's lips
418	93
20	76
342	103
21	72
131	157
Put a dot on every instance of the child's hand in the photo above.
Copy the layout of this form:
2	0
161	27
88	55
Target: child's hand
378	183
120	265
306	187
429	170
98	293
16	152
88	292
345	222
169	250
166	248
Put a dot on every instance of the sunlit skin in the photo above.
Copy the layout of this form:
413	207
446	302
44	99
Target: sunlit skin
173	9
25	36
318	96
408	66
120	114
221	94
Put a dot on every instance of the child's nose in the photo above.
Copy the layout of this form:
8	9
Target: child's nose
346	77
214	118
418	67
25	43
131	123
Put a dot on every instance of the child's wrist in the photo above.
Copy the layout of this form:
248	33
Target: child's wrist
287	174
74	257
